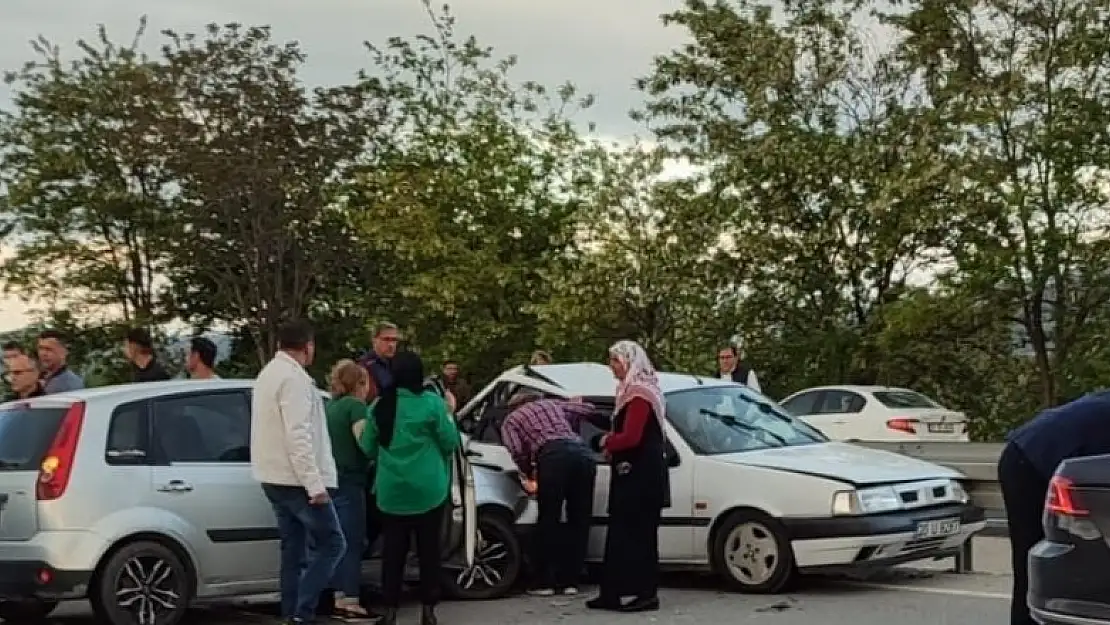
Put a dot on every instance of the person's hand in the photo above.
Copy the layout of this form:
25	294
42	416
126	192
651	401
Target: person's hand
319	499
528	484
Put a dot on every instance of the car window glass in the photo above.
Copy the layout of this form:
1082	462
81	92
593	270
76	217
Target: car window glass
904	399
203	428
494	409
730	419
802	404
127	435
840	402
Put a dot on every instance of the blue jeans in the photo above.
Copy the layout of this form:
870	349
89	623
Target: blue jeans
350	505
311	545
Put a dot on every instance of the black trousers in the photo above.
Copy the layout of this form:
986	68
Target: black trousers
631	566
398	531
565	473
1023	491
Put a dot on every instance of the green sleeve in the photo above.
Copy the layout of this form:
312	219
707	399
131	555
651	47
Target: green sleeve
357	412
447	433
369	439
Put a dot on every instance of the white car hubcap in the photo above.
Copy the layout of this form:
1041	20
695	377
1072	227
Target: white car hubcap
751	553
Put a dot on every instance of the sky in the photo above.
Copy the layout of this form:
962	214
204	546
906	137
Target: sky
600	46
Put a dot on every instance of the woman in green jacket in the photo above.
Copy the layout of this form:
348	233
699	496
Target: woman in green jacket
412	437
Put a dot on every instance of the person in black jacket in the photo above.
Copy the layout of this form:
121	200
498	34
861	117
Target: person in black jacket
1028	461
638	484
139	349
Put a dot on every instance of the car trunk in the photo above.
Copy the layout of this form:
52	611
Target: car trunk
937	423
26	432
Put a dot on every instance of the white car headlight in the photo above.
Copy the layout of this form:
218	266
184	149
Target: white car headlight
866	501
958	492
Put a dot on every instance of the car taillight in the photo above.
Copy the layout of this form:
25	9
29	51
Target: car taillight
1061	498
57	464
909	426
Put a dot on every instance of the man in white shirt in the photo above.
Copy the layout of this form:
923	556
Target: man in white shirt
291	456
730	366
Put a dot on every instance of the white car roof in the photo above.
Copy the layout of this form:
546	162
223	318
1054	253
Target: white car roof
118	393
856	388
591	379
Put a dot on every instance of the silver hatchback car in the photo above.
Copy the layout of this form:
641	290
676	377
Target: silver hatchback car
140	498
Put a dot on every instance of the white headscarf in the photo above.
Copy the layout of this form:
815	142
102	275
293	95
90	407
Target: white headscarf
640	381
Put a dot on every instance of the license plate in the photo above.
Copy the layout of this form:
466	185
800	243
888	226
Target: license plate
942	428
937	529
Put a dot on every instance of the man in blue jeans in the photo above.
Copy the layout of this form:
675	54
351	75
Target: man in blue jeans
291	456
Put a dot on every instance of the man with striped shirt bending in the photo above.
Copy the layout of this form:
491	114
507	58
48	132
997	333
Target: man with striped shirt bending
542	435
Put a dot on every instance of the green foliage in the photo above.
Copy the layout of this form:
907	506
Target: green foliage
477	190
910	217
86	193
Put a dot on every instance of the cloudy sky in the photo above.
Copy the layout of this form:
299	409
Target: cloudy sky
600	45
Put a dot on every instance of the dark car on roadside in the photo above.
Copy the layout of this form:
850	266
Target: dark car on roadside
1068	584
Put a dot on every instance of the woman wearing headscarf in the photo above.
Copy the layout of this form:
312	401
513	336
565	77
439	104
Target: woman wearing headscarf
412	437
638	484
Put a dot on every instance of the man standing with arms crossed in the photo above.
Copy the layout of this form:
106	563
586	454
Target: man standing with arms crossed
291	456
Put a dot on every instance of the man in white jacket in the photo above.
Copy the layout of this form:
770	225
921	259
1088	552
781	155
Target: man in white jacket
291	457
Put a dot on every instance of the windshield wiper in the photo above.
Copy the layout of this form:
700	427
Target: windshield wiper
732	421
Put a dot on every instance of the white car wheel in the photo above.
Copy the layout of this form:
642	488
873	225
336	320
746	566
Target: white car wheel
752	553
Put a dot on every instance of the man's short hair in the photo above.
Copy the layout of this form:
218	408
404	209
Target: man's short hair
730	347
31	362
296	334
450	361
205	349
525	396
384	326
57	335
140	337
12	346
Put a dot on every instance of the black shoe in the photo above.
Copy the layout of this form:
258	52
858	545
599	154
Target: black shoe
604	603
641	604
388	618
428	615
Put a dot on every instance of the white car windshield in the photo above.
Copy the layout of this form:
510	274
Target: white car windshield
730	419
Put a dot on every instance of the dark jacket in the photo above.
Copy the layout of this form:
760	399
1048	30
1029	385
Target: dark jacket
379	370
1079	428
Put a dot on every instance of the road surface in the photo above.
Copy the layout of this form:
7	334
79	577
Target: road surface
921	595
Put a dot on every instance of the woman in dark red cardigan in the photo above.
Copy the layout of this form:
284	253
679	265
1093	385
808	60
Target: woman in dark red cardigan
638	485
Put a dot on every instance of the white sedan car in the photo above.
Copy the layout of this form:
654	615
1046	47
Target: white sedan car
757	495
876	413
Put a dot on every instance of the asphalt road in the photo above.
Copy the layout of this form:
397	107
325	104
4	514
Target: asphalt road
921	595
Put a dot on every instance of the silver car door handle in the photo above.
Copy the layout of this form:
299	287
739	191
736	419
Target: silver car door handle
175	486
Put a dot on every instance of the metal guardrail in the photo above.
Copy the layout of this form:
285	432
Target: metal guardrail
977	461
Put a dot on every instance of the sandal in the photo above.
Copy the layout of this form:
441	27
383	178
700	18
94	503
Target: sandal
352	613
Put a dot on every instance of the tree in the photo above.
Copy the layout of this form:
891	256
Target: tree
476	191
950	343
1023	89
259	160
84	187
824	174
643	271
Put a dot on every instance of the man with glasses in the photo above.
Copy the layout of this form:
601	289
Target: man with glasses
22	375
731	366
377	362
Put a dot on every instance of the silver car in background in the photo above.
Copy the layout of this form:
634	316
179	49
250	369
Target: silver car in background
140	498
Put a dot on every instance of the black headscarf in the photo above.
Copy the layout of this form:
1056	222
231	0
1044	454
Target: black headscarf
408	373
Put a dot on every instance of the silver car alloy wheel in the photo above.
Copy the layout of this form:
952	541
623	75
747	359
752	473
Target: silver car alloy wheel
146	587
751	553
491	559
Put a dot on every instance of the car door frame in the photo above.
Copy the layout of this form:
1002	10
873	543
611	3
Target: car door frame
841	426
222	551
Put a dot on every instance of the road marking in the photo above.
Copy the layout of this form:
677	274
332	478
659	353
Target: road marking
956	592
